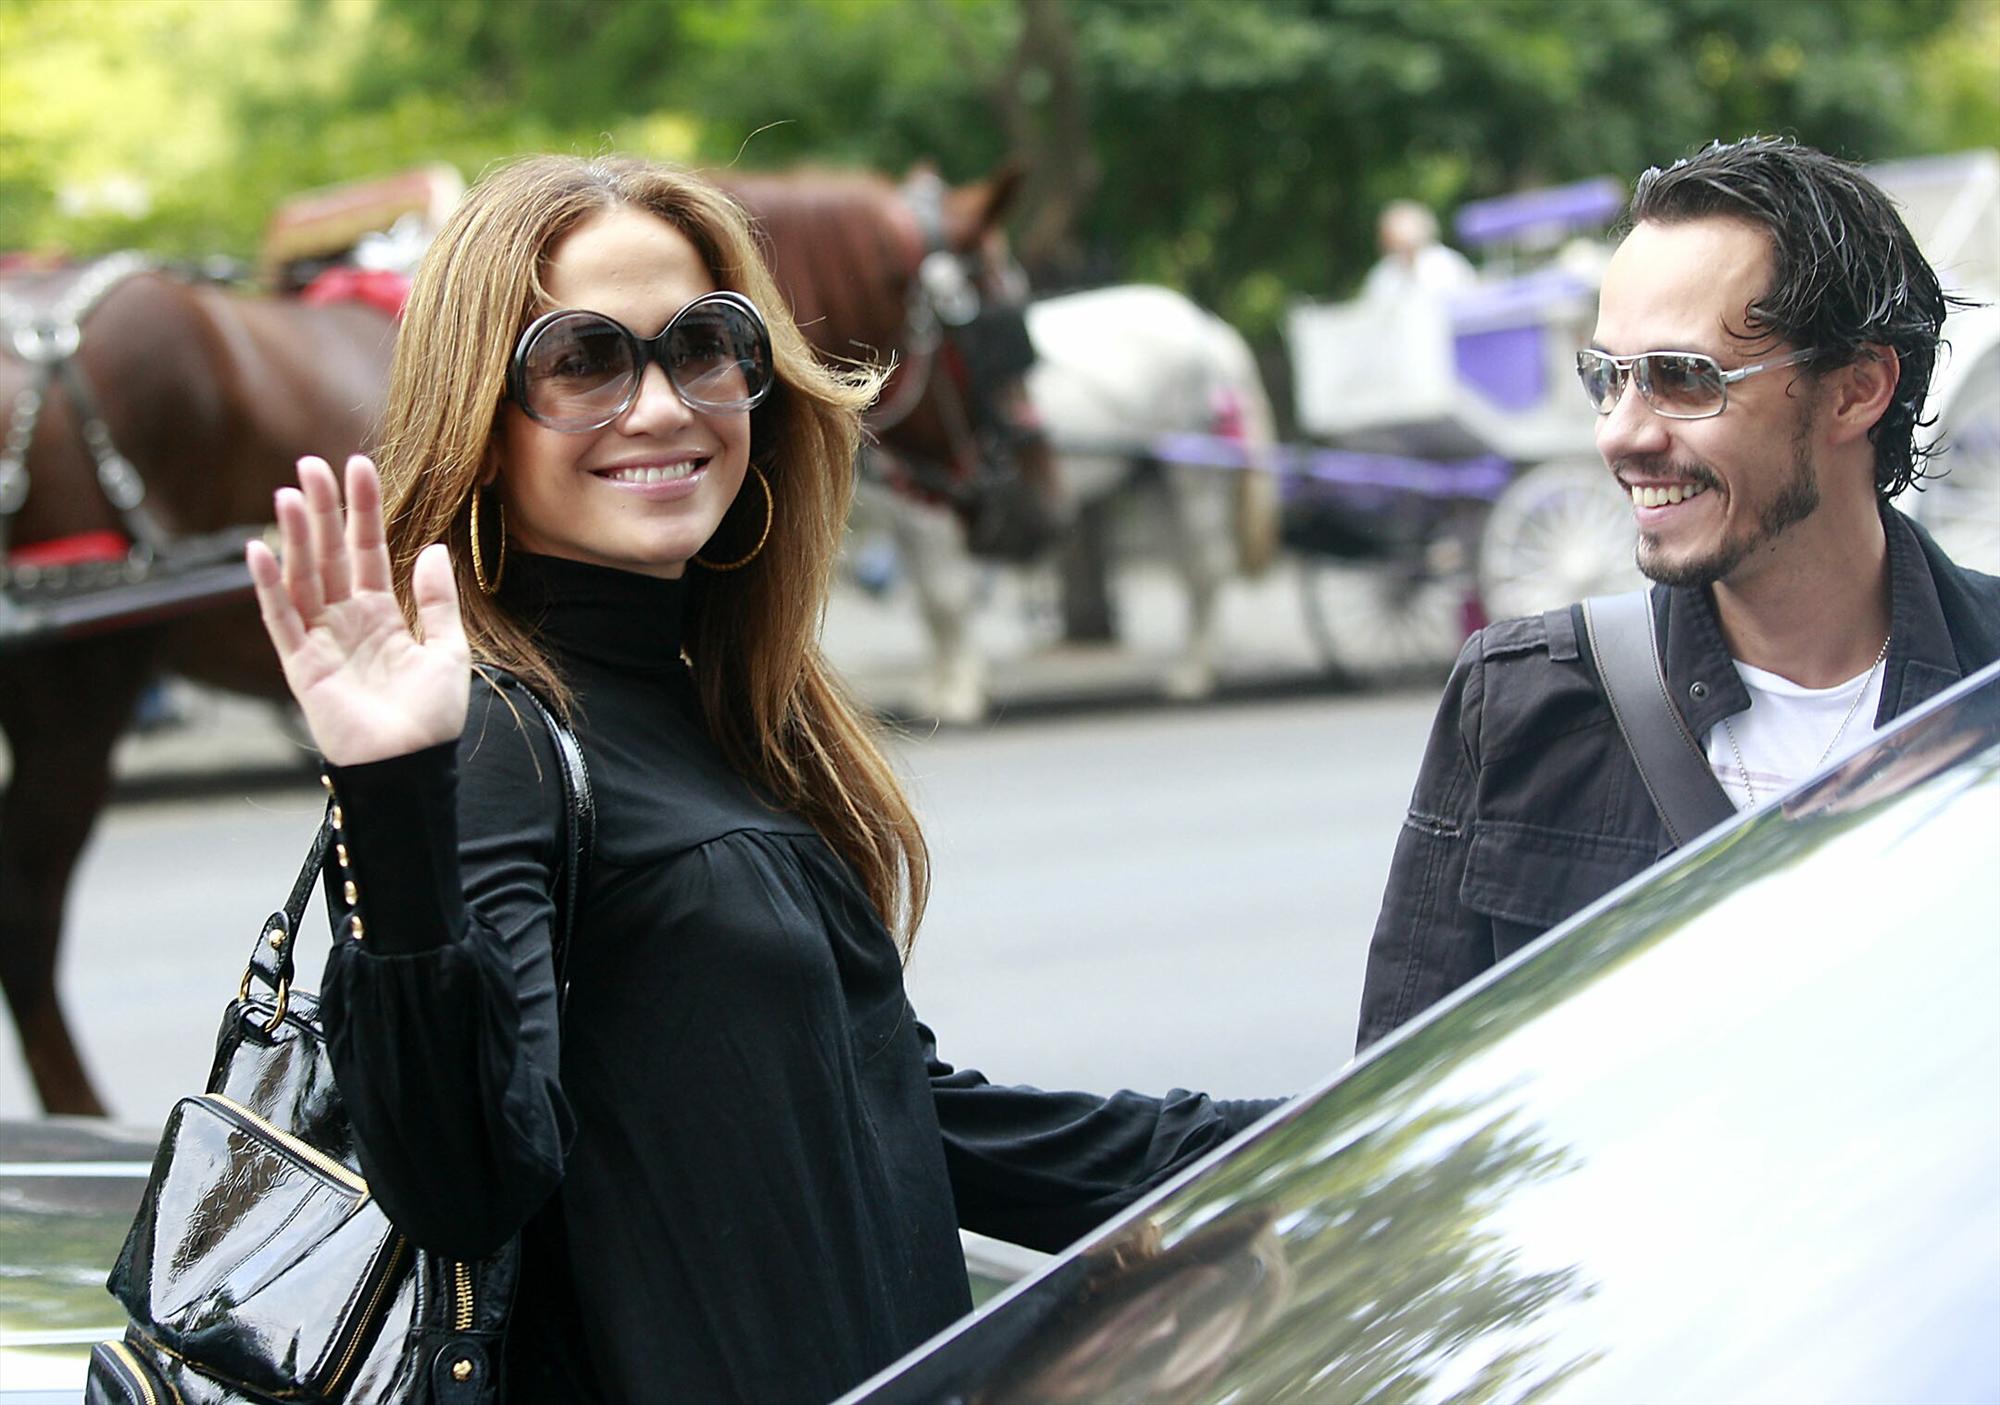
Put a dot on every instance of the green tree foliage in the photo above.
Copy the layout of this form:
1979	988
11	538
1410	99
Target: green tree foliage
1238	149
1260	140
1957	71
102	140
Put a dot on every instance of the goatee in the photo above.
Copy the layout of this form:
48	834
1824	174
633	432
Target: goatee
1796	499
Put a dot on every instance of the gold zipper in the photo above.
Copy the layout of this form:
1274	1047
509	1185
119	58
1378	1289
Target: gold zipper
461	1297
309	1154
131	1364
367	1316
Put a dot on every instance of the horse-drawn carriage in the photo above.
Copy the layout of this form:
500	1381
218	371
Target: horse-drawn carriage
1451	402
1460	478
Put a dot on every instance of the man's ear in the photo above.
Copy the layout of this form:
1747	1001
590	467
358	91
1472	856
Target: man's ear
1859	393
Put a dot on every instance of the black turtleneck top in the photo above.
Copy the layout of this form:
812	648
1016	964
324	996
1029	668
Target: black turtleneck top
743	1160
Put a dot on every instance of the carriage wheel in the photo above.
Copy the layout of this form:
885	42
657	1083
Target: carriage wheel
1384	621
1559	532
1962	506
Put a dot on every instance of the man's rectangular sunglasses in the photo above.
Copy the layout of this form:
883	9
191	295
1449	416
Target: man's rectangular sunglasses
576	371
1681	385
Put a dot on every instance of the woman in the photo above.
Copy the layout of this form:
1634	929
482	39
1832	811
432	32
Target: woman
740	1164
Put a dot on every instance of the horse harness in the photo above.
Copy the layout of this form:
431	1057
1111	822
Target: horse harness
158	573
49	341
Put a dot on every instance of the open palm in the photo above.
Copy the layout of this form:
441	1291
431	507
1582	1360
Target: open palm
370	688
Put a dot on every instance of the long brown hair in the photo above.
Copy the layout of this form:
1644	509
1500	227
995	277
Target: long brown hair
770	700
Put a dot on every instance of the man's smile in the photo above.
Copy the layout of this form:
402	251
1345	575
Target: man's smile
1644	495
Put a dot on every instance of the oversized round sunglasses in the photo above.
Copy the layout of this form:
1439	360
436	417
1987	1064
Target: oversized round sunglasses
576	371
1681	385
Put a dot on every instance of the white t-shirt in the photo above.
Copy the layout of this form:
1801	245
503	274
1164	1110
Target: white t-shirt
1784	736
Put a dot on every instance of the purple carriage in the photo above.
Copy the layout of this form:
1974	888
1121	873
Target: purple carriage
1459	481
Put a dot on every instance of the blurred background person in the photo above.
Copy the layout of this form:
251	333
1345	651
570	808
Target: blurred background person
1413	262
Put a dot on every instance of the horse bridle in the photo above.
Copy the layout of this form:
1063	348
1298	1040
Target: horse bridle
49	341
943	305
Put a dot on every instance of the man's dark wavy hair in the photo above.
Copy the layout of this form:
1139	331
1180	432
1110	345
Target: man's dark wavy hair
1847	274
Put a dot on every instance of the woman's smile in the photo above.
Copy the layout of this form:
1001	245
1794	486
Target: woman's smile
670	477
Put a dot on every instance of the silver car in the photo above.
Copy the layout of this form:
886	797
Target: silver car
1732	1133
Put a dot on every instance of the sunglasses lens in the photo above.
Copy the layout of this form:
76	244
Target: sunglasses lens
582	370
1601	380
719	357
1680	385
578	373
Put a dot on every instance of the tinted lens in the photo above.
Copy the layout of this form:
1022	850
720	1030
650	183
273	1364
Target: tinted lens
578	372
718	356
1602	380
1679	384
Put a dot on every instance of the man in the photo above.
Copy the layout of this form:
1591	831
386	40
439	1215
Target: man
1795	609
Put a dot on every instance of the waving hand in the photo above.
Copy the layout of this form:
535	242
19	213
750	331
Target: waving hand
370	688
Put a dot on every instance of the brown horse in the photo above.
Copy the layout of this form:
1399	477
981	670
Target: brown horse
917	275
212	396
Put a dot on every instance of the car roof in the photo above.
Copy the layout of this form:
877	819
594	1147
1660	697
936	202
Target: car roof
1733	1132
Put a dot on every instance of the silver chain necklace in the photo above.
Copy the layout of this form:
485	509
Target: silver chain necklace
1833	741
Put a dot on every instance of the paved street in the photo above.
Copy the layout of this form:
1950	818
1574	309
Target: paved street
1136	895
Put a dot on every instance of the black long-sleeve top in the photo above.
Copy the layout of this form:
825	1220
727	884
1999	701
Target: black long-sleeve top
757	1161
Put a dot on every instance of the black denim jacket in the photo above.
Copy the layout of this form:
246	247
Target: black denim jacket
1529	806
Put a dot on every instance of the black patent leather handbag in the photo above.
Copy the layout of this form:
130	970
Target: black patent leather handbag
259	1267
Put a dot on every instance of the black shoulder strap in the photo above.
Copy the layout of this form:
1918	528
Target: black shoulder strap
1671	763
580	824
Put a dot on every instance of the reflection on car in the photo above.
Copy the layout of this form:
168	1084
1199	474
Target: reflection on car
1731	1133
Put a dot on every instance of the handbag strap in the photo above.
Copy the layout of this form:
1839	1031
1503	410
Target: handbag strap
1671	763
579	826
272	959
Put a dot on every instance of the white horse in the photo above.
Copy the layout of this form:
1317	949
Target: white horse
1117	369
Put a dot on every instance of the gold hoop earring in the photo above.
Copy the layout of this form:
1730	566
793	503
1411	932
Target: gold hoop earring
487	587
770	511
